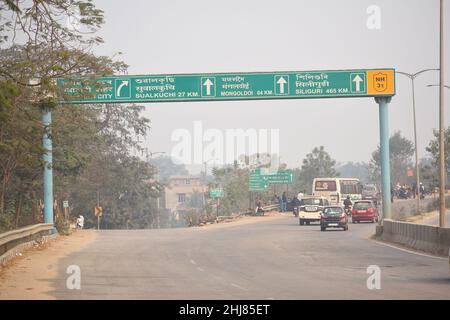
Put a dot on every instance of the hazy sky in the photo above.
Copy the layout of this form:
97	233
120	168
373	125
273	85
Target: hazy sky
243	36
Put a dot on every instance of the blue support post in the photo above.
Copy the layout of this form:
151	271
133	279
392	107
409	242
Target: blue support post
48	170
384	156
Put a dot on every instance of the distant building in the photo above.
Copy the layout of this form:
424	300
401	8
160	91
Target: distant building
178	191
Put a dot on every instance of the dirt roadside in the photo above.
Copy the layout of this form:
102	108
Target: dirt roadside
26	276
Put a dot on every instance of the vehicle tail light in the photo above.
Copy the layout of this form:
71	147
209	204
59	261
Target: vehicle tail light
370	210
354	211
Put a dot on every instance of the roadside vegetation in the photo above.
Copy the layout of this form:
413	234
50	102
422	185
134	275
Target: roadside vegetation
94	146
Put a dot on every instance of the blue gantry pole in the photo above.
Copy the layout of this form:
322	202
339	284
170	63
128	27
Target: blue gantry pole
48	170
383	103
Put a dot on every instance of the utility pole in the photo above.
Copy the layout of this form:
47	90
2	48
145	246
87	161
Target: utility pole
98	205
441	121
412	77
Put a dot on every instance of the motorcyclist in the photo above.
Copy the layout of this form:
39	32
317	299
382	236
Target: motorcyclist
347	204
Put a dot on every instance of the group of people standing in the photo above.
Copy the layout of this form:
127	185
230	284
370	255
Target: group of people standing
282	201
405	192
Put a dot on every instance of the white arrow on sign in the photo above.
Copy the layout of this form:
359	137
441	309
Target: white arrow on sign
281	83
357	80
208	83
123	84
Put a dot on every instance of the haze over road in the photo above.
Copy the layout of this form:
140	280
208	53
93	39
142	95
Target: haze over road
273	258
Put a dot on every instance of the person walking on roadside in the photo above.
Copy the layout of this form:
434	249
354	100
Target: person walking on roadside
283	202
259	209
414	189
80	222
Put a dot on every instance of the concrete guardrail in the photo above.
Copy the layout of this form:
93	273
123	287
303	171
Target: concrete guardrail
11	239
431	239
249	212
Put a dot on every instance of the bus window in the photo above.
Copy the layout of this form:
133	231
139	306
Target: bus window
325	185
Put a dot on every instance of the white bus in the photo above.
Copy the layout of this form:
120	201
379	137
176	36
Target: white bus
336	190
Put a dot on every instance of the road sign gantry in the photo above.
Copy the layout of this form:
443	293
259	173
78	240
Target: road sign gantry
377	83
228	86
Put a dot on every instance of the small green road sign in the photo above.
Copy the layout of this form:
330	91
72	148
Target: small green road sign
228	86
216	193
256	181
65	204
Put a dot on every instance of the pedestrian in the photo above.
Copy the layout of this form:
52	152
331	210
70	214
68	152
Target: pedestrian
422	190
414	189
283	202
80	222
259	209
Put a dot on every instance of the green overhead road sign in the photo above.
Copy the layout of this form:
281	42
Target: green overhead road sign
281	177
256	181
216	193
259	181
228	86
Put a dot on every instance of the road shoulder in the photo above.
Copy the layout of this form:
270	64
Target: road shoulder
29	276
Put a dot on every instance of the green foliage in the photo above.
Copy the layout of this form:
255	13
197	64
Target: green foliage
400	156
433	149
358	170
317	164
62	226
92	145
167	168
196	200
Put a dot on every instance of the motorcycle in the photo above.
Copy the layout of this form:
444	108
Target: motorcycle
403	194
348	211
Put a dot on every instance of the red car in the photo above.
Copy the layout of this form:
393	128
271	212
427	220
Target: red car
364	210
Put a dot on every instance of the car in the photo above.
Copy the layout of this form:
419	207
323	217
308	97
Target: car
333	217
371	192
310	208
364	210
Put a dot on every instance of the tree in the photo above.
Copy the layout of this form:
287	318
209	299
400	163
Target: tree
317	164
433	149
167	168
429	174
91	143
358	170
400	158
234	181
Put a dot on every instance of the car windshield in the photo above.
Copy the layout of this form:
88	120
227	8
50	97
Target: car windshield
362	206
311	202
333	210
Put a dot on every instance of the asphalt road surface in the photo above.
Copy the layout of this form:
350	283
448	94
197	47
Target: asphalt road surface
274	258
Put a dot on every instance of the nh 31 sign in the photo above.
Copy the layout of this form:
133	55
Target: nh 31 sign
229	86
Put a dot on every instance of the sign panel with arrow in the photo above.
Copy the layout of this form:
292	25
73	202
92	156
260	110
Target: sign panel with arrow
229	86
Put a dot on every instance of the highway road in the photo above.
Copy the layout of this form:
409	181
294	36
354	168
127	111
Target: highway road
262	258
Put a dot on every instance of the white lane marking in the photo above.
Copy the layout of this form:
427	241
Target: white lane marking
408	251
239	287
270	298
200	269
192	261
